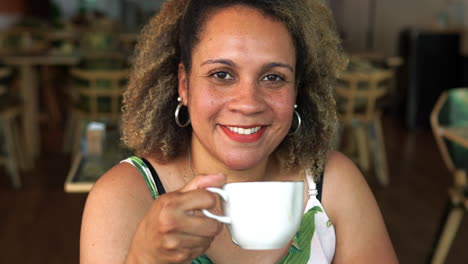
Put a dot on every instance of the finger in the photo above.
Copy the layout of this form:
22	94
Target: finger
174	212
216	210
184	242
197	200
183	202
204	181
201	226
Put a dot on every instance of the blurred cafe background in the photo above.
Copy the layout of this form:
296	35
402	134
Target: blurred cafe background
402	103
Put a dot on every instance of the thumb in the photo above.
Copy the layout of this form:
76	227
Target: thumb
203	181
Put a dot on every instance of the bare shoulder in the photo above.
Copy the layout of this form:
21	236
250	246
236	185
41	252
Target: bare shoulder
360	230
121	182
341	176
114	207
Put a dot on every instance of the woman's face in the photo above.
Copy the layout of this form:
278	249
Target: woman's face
241	88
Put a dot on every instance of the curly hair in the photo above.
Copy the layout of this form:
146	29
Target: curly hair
148	125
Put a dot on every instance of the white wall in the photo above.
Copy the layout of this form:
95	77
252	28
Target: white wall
391	17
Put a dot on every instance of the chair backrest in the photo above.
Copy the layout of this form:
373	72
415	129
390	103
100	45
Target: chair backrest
379	59
104	61
357	93
99	93
23	40
449	112
99	41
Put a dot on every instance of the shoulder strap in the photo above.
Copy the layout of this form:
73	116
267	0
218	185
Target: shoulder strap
156	178
320	188
148	174
315	189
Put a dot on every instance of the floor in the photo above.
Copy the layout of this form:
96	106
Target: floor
40	223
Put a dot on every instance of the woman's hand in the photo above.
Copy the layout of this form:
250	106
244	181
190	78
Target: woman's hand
173	230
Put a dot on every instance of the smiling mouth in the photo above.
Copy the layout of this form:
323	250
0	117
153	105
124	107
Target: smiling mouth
244	131
244	134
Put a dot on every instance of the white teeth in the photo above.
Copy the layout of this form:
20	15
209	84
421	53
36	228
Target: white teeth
244	131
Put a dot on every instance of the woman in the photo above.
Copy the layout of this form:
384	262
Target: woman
250	83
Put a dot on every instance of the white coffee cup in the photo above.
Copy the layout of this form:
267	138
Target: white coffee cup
261	215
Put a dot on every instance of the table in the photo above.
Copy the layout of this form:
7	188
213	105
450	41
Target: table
29	92
87	169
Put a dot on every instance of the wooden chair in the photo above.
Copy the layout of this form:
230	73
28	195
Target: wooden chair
96	96
449	123
23	40
104	60
392	63
97	41
358	94
12	155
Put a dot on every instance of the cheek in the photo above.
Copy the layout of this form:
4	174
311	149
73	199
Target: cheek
286	116
207	99
284	106
204	103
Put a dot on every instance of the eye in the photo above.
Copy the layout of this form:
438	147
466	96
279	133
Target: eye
222	75
272	78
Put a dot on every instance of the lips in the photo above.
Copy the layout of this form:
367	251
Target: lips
244	134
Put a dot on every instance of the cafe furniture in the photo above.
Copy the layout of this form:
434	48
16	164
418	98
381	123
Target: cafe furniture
358	94
11	151
27	49
96	96
36	51
87	168
99	41
22	40
29	86
392	63
389	62
449	123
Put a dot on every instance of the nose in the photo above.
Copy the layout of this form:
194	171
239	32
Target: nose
247	98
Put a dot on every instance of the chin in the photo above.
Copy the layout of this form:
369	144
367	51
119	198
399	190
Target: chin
241	162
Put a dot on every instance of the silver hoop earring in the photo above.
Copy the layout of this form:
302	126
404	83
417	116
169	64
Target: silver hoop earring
176	114
299	121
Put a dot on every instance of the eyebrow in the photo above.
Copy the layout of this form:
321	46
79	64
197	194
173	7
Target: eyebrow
220	61
278	64
232	64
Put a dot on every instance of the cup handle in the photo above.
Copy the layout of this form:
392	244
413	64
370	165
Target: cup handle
223	194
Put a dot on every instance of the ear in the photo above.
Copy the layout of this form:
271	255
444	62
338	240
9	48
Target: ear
183	83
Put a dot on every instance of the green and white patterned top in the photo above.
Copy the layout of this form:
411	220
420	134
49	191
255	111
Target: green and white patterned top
314	242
